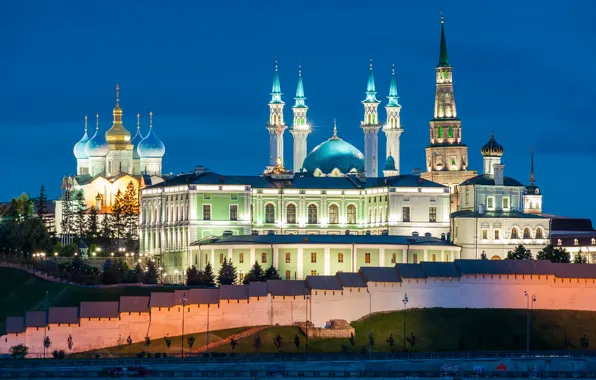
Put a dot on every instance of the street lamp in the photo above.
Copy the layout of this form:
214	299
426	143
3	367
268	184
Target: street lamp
405	301
369	320
45	330
207	349
528	317
306	299
183	301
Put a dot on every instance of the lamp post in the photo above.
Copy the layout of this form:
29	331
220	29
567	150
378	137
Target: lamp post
207	349
306	299
405	301
369	320
183	301
533	299
45	330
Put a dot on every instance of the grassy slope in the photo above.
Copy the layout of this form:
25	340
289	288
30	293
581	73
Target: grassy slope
23	292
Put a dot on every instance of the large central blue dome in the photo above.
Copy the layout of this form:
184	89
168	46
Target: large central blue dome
334	153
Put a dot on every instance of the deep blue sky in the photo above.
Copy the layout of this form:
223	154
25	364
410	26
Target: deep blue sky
523	69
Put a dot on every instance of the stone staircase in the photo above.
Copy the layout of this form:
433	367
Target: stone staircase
243	334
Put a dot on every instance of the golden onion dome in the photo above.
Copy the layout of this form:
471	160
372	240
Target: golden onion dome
118	137
492	148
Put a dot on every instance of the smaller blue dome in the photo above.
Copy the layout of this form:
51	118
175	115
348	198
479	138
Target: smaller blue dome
138	137
390	163
151	146
79	148
97	146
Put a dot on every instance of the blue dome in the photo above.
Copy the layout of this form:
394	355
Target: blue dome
334	153
79	148
151	146
138	137
97	146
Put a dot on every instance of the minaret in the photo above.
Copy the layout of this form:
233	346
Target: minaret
446	156
301	128
393	127
370	126
276	125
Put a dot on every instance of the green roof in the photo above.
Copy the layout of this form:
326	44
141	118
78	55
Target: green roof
393	91
300	93
276	90
443	56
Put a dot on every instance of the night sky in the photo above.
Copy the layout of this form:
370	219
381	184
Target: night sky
523	69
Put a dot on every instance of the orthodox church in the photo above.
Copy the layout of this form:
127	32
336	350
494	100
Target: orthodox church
108	161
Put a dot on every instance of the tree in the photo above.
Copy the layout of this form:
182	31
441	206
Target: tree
278	341
69	343
297	341
208	279
555	255
151	275
130	215
390	340
106	233
92	231
257	343
584	341
272	274
579	258
117	216
227	273
192	276
233	343
47	342
483	256
114	272
19	351
191	341
120	343
81	215
129	342
371	340
250	277
67	213
168	341
42	202
520	253
257	272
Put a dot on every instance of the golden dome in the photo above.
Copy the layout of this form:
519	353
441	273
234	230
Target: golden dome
118	137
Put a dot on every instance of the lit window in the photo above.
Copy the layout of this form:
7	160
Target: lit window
406	214
559	242
432	214
527	234
490	203
450	132
593	241
221	258
288	275
312	214
313	257
497	235
351	214
434	257
233	212
269	213
575	242
263	258
539	233
485	234
505	203
440	131
333	214
288	257
393	258
241	277
206	212
415	258
514	233
291	213
241	258
367	258
313	272
340	258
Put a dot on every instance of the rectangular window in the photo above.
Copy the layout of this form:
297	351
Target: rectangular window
263	258
288	275
393	258
485	234
240	277
434	257
313	257
288	257
367	258
221	258
241	258
313	272
340	258
432	214
233	212
415	258
505	203
490	203
206	212
497	235
406	214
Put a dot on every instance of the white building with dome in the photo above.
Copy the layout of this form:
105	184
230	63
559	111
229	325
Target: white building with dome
108	161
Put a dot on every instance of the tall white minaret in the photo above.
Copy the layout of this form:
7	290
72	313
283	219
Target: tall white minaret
370	126
393	127
301	128
276	125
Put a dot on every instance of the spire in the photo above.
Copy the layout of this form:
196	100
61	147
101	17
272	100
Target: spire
117	94
85	123
370	86
276	89
150	120
443	57
393	89
299	90
334	130
532	166
138	121
97	122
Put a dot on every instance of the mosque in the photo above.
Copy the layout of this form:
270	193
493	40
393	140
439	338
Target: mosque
334	211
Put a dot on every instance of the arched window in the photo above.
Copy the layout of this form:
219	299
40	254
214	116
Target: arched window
450	132
440	131
527	234
333	214
269	213
514	233
291	213
496	257
312	214
351	214
539	233
375	219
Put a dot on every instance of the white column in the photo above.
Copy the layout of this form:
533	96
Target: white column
252	256
355	260
382	257
229	254
300	267
275	254
327	262
405	255
212	257
425	254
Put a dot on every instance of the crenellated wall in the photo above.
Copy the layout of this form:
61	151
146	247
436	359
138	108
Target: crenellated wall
322	305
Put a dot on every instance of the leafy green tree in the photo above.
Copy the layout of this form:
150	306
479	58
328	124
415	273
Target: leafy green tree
80	215
227	273
520	253
30	236
20	351
579	258
151	274
114	272
271	274
553	254
208	278
69	343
